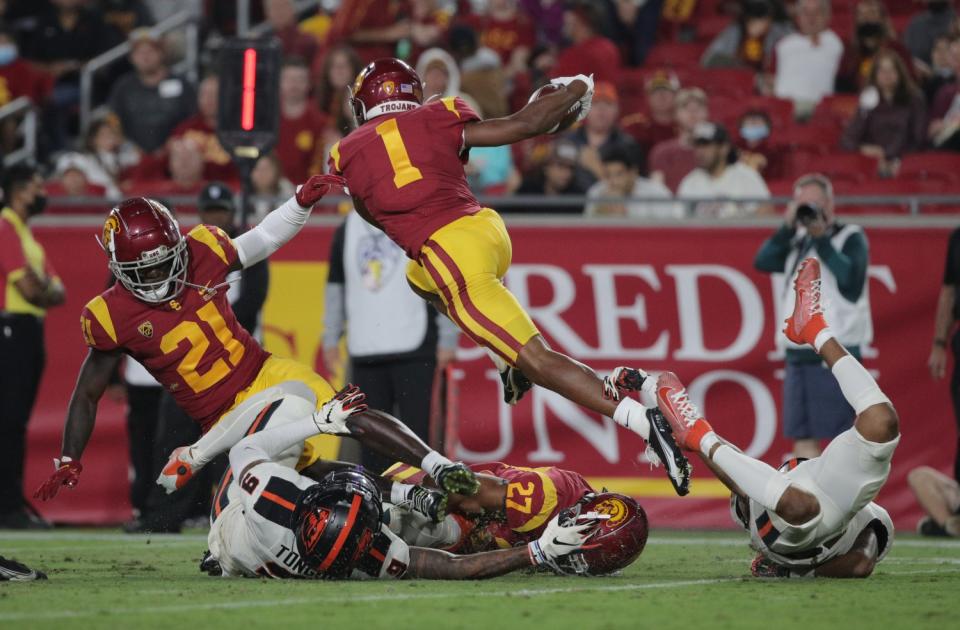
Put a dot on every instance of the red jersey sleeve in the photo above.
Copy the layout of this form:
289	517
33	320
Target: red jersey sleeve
456	106
11	251
96	324
216	249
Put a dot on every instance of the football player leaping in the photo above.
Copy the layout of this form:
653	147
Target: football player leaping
169	310
404	168
286	525
816	517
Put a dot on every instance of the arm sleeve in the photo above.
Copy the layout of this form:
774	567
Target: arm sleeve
849	265
772	257
276	229
253	293
269	443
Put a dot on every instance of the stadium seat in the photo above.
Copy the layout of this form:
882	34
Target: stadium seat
730	82
816	139
675	55
837	108
849	167
932	165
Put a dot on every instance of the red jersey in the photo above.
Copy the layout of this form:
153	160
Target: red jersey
597	55
407	168
193	344
21	78
503	36
300	144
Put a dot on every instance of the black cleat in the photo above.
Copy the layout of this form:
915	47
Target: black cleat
428	503
667	452
210	565
456	478
13	571
515	385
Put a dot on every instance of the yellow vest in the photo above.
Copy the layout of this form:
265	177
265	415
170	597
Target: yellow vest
36	260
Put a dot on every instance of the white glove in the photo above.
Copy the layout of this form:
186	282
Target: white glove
333	415
559	540
586	101
180	468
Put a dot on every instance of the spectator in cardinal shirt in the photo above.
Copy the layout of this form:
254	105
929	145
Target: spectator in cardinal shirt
658	123
19	77
508	31
184	176
150	101
872	32
201	129
282	17
300	143
590	52
671	160
756	147
372	27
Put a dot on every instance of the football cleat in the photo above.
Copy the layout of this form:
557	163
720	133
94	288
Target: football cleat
456	478
515	385
13	571
663	449
807	320
763	567
428	503
210	565
623	379
686	421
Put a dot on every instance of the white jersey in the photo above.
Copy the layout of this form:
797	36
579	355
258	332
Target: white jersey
253	535
845	479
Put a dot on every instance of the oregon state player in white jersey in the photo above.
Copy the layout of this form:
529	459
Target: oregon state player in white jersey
284	524
815	517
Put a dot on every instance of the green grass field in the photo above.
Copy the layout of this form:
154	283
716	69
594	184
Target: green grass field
104	579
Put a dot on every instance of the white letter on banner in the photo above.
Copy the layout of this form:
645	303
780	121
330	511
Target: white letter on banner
691	315
505	424
609	313
548	316
603	436
884	275
765	411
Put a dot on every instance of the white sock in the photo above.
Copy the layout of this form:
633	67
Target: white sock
432	462
707	441
497	360
399	492
858	387
757	480
822	337
630	414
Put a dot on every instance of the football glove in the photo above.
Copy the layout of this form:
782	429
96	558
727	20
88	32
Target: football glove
333	415
178	470
558	540
456	478
316	188
586	101
622	379
67	474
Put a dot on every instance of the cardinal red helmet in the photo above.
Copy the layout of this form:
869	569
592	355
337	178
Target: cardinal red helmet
141	235
619	540
385	86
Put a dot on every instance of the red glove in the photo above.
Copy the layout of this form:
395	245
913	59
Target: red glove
67	474
317	187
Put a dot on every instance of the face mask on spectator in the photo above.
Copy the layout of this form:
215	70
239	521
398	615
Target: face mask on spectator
8	54
937	7
754	133
869	30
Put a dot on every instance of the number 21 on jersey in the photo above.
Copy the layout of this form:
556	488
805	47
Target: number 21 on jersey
199	341
403	171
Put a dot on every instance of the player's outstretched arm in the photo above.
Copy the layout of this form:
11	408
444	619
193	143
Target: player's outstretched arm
281	225
434	564
536	118
81	416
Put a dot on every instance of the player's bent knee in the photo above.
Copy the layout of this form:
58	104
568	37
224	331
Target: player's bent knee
920	476
797	506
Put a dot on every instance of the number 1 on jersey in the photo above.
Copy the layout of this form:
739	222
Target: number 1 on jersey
403	171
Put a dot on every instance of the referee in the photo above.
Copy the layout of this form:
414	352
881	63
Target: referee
30	287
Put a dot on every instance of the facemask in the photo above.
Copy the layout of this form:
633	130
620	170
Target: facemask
8	54
38	205
937	7
754	133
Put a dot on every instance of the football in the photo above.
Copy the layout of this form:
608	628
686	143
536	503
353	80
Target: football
569	118
619	539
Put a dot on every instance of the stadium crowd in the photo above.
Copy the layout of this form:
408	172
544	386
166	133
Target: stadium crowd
698	99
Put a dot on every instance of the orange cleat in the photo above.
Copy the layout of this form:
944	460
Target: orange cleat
688	424
807	320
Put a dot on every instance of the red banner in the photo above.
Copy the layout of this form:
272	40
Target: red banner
683	299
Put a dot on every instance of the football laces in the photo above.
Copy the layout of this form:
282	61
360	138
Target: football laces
684	406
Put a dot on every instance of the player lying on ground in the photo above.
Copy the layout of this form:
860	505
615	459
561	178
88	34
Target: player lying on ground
169	310
287	525
404	168
514	506
817	517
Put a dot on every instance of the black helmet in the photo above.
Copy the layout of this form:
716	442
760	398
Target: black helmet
336	520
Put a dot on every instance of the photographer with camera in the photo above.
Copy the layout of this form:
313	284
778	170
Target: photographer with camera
814	408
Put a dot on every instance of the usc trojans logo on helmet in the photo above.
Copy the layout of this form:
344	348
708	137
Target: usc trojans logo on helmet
389	87
111	227
615	508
